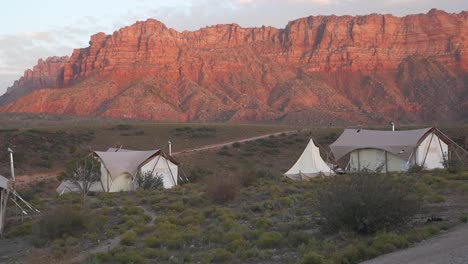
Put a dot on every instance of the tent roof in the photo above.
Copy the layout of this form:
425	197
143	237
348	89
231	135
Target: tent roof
124	161
400	143
129	150
3	182
309	164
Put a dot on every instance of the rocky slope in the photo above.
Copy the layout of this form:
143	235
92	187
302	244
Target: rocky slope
317	69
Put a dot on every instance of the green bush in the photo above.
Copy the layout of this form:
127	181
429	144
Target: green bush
149	181
388	242
367	202
312	258
270	240
128	238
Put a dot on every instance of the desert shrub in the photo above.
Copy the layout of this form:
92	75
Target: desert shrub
221	255
388	242
415	168
367	202
198	174
64	221
130	257
353	253
312	258
262	223
248	177
453	165
464	218
224	151
22	230
298	238
222	189
270	240
128	238
236	145
149	181
436	198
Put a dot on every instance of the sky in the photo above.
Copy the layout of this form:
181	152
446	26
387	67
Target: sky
31	29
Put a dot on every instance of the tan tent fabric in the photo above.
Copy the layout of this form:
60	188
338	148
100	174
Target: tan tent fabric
309	165
3	182
124	161
68	186
401	143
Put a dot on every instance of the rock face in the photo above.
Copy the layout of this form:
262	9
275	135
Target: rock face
317	69
46	74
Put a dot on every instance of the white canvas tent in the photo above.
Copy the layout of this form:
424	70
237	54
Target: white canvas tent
391	150
119	168
309	165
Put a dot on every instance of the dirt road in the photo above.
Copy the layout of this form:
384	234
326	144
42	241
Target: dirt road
220	145
448	248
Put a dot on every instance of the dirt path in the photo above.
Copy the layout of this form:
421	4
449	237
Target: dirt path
448	248
36	177
220	145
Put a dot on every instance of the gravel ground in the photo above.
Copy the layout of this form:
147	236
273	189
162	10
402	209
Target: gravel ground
448	248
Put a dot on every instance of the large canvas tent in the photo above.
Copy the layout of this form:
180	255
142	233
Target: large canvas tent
310	164
119	168
391	150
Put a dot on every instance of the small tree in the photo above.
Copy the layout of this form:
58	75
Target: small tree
147	180
82	174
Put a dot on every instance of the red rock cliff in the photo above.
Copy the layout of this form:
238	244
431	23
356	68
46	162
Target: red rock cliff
318	68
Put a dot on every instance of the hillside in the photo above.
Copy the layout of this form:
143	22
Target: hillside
317	69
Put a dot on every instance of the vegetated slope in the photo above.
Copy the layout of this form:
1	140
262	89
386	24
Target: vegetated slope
320	69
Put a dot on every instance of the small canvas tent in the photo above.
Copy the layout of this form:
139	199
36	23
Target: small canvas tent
391	150
119	168
309	164
68	186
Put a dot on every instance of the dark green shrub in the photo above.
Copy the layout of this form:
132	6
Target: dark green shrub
367	202
270	240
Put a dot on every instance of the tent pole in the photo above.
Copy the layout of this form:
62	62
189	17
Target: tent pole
442	152
453	142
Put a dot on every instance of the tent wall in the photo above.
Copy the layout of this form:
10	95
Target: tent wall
374	159
121	182
162	166
431	152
